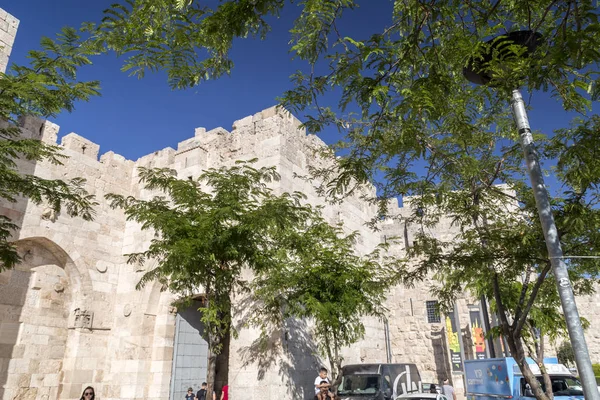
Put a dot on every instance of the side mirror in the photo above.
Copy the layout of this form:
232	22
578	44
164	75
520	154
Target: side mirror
529	393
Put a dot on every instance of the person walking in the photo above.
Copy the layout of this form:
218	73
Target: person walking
201	395
190	394
225	393
448	390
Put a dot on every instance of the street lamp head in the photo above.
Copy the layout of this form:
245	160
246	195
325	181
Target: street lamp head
477	70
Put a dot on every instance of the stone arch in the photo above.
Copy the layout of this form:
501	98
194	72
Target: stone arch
153	297
79	278
37	296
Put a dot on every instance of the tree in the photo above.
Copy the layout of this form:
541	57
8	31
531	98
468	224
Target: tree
421	129
45	88
209	230
565	354
328	284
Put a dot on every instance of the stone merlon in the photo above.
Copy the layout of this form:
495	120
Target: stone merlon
81	145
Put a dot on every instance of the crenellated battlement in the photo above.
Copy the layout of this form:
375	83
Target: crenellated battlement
273	135
266	123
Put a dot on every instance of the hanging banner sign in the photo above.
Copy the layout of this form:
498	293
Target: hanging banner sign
478	335
453	342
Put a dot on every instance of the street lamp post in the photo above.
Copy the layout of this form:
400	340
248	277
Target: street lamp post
542	199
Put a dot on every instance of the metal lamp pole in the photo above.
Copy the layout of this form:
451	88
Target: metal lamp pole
476	73
565	291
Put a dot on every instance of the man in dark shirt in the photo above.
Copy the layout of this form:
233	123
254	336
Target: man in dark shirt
201	395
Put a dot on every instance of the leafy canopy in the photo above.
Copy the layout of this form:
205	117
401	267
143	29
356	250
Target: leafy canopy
209	230
45	88
420	128
327	284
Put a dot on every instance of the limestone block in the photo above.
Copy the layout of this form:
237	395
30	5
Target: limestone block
18	366
10	333
241	123
162	354
36	381
12	22
86	363
159	392
6	37
73	391
160	366
6	47
82	376
218	131
158	159
49	132
38	339
269	112
3	14
50	366
128	392
34	125
81	145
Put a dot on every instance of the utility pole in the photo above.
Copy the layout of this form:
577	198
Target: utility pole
478	72
567	297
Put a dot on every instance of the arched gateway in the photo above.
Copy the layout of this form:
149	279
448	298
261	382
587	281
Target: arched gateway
37	328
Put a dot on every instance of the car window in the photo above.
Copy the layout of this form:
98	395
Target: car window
441	397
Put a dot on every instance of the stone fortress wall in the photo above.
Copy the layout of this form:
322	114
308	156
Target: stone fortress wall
70	314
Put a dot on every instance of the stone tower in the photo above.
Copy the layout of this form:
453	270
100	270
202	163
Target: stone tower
8	31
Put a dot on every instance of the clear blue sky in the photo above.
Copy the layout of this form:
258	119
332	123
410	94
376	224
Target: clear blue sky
136	117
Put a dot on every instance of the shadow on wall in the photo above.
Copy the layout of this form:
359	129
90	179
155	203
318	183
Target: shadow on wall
441	358
192	316
292	352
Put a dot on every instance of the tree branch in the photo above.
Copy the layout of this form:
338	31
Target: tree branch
518	323
523	294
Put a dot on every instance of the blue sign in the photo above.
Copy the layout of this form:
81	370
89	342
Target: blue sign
490	377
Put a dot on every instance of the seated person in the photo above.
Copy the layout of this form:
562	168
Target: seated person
324	392
321	381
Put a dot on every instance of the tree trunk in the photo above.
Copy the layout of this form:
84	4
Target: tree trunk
218	338
329	354
518	353
211	366
336	373
539	359
222	362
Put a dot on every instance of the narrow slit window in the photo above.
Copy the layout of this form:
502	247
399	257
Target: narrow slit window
433	312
